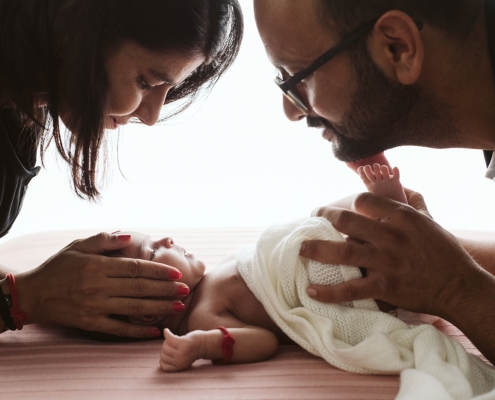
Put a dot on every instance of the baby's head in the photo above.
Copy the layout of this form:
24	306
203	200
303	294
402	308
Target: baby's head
164	251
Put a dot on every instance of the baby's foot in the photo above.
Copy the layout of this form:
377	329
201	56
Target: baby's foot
380	181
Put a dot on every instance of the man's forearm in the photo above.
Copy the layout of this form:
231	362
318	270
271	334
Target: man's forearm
473	312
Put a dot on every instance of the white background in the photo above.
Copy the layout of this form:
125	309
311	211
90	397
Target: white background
236	161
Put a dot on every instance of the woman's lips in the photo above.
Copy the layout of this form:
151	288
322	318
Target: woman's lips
114	123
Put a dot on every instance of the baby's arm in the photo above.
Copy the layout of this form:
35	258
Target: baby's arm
252	344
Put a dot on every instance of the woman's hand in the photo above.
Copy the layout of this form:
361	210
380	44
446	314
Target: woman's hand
79	287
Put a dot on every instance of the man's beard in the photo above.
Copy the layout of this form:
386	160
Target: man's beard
385	114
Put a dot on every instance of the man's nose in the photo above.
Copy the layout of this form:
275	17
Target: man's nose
291	111
150	108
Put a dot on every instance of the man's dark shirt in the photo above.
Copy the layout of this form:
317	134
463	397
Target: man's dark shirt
15	174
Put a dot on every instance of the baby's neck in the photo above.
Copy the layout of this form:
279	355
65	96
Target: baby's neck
177	323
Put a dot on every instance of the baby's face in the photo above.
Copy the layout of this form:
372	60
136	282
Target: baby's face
165	251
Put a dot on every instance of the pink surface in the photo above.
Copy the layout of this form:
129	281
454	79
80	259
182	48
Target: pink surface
59	363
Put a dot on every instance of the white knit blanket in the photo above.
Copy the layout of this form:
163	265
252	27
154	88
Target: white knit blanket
355	337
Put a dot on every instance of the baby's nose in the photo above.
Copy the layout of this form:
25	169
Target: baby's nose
168	242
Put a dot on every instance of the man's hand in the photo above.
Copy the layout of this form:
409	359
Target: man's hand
411	261
79	287
179	352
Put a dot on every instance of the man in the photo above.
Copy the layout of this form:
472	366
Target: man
402	72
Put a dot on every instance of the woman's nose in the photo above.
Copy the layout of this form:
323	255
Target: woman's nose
150	108
291	111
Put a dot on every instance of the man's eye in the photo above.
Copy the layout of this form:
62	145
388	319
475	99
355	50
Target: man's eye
152	255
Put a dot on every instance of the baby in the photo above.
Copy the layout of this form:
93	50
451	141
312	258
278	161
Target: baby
221	298
256	299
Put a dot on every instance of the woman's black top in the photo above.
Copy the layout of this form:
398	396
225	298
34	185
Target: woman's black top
17	168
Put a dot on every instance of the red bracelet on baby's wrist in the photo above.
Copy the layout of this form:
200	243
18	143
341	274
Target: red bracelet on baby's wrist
228	342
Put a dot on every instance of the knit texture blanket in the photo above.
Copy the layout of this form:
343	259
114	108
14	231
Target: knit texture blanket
355	337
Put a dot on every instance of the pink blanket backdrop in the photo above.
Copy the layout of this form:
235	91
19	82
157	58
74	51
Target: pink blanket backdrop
42	362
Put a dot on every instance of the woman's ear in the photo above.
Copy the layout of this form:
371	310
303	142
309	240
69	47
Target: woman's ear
396	46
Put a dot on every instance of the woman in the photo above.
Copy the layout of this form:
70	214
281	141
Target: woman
96	65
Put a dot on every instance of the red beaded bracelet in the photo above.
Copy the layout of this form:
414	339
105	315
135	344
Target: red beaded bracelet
17	315
228	342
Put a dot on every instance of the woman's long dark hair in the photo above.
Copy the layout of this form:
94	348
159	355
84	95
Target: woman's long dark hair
57	48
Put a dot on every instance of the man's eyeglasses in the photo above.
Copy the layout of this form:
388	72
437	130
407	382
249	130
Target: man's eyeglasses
288	85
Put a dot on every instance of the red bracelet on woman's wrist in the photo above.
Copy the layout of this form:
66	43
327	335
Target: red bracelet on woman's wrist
228	342
17	315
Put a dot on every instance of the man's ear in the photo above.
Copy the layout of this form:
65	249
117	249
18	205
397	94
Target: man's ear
396	46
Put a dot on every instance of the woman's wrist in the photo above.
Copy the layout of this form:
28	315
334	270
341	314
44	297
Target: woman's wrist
4	284
12	314
24	298
5	289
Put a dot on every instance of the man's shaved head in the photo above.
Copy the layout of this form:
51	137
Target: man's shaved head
455	17
283	24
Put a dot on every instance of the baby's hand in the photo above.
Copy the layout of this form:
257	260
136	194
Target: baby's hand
179	352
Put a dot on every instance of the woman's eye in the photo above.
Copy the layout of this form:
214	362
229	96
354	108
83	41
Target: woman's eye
152	255
142	84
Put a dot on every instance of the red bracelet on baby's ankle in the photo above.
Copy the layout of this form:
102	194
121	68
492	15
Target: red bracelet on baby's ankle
17	315
228	342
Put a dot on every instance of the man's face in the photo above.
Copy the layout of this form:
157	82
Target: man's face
362	111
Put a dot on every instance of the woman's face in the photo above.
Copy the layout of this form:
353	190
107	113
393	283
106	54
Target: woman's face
139	80
165	251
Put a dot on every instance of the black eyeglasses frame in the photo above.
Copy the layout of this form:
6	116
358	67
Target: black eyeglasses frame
286	86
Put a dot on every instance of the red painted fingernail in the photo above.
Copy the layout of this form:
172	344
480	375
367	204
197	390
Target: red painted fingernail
183	291
179	307
124	237
174	275
155	332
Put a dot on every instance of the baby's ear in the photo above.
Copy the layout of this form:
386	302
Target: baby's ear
114	253
152	320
